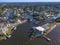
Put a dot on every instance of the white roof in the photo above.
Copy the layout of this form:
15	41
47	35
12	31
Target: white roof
40	28
3	30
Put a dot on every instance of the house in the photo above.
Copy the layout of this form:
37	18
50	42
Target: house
12	20
3	19
3	30
39	30
48	15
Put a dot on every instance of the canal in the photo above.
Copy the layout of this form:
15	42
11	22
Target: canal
54	35
20	37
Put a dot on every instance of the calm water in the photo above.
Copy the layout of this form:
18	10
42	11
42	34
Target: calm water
20	37
54	35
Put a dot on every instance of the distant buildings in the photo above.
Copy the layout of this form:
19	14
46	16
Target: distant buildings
9	16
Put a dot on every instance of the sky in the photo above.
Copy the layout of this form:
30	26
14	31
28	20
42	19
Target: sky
29	0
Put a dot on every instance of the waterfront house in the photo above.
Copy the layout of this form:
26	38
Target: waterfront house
3	30
37	31
41	29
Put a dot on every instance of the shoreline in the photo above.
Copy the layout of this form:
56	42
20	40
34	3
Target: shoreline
50	30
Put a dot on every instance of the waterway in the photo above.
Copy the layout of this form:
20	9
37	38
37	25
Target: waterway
20	37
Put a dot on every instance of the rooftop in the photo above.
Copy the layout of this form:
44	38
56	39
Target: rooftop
40	28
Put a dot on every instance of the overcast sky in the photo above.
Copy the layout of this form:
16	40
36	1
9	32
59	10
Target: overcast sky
29	0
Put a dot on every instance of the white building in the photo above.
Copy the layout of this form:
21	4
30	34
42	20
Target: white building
41	29
3	30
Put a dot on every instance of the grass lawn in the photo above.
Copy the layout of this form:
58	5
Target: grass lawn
2	37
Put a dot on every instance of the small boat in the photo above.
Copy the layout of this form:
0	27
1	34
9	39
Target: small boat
8	36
